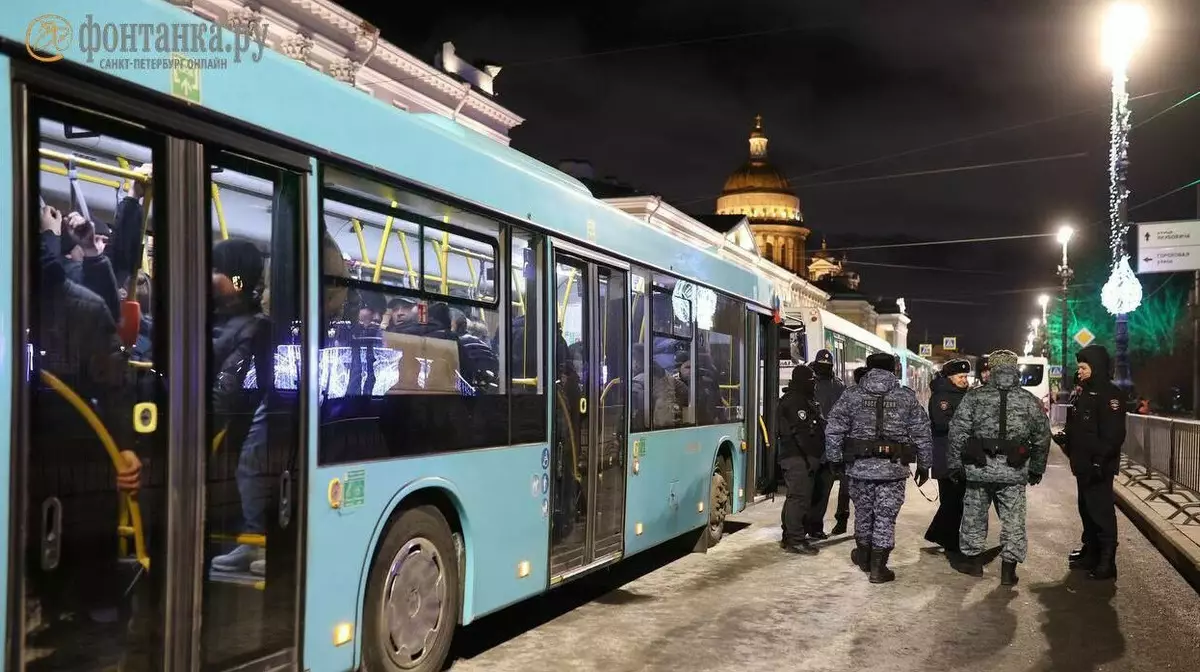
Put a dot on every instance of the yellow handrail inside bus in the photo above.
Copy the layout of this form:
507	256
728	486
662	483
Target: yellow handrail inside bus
566	295
216	199
58	170
412	275
114	453
763	425
566	410
93	165
141	365
124	164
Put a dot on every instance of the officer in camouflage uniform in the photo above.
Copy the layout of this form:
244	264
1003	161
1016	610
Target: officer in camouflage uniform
876	430
999	441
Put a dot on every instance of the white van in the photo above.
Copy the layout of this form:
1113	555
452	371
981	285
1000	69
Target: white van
1035	377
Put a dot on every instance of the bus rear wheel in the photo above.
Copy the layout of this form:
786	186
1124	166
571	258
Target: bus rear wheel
412	603
719	502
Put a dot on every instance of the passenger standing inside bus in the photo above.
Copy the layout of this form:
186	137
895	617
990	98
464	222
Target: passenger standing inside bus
801	446
877	429
239	346
949	387
829	390
1094	435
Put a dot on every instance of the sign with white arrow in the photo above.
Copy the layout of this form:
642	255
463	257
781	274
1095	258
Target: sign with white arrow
1166	247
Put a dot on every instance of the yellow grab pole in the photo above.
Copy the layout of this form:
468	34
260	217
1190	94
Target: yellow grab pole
216	199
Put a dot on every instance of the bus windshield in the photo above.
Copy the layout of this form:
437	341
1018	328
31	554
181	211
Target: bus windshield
1031	375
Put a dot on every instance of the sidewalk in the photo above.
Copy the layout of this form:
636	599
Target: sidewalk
1141	496
1167	519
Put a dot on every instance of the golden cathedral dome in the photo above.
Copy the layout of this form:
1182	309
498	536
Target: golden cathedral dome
757	189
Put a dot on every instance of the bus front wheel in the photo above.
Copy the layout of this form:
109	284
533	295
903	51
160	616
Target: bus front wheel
719	501
412	603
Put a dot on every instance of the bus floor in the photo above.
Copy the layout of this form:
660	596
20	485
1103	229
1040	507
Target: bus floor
747	605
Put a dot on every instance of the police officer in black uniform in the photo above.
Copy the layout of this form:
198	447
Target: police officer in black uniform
1092	439
949	388
829	390
801	446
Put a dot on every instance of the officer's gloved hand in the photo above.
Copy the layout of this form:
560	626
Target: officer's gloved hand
955	475
1061	439
921	476
838	468
1097	473
1034	479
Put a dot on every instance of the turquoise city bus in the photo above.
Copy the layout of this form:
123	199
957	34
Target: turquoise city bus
297	380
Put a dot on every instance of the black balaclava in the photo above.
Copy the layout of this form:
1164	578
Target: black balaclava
804	381
822	364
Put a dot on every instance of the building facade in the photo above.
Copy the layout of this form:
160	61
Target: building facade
759	192
333	40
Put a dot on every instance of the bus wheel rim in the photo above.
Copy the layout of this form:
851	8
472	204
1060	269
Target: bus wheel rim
413	600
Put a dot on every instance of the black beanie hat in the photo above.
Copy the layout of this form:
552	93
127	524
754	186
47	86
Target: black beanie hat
882	360
859	373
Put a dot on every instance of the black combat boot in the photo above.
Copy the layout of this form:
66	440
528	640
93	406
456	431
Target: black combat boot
879	569
819	534
840	528
971	565
861	556
1008	573
1106	564
802	547
1083	558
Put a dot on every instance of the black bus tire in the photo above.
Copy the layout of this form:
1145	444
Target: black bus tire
413	591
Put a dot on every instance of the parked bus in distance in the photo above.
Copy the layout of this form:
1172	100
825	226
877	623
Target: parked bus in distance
1035	377
298	380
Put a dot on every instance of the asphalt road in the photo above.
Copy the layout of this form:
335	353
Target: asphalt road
747	605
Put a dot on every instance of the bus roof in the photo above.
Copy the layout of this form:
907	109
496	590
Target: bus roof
314	109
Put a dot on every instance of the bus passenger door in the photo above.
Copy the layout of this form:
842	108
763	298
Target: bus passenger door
590	419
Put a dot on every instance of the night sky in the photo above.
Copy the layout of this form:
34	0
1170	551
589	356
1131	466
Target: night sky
841	83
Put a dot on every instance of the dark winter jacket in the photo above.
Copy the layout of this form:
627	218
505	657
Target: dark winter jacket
854	417
945	397
801	425
1096	420
829	390
979	417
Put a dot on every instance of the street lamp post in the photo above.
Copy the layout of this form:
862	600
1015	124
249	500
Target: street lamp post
1065	274
1124	30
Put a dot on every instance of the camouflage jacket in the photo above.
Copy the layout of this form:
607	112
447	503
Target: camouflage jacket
979	417
904	420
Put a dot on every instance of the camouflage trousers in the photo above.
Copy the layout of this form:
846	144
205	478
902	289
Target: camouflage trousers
876	506
1010	507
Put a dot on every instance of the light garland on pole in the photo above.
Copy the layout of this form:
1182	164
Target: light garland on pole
1124	29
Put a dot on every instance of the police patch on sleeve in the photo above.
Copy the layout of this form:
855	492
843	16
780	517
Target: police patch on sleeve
1114	404
944	405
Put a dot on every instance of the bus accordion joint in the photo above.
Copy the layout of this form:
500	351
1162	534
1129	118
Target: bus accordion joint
136	530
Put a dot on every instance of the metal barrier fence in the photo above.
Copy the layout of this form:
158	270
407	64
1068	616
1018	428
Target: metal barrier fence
1163	456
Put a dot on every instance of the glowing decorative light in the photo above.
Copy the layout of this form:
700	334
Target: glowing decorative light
1033	324
1044	300
1125	28
1122	293
1064	234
